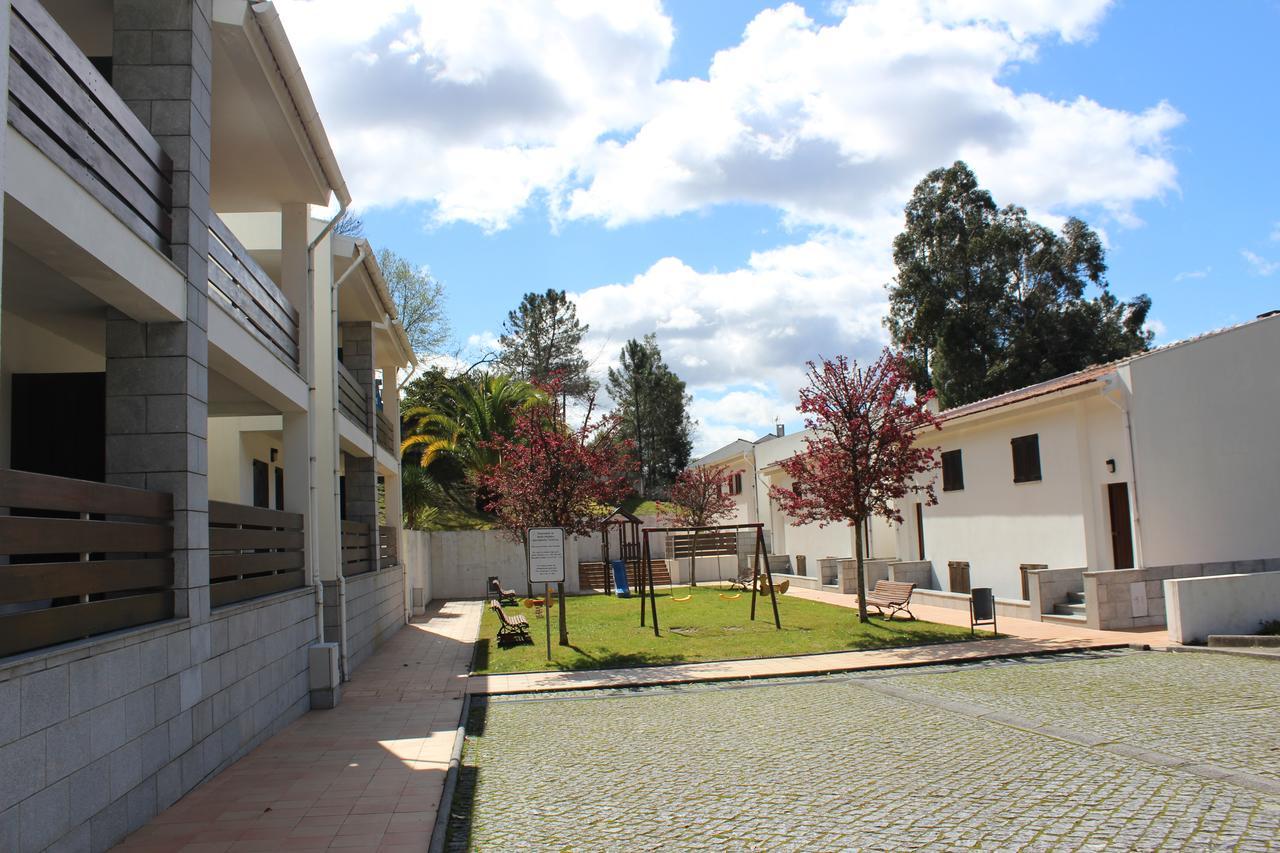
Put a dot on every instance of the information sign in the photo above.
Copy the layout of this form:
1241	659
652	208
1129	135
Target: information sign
546	555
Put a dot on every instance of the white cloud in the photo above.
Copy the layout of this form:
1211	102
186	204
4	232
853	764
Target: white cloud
483	108
1258	264
1190	274
1275	233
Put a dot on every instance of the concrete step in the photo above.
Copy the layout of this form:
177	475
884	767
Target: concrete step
1069	609
1061	619
1075	598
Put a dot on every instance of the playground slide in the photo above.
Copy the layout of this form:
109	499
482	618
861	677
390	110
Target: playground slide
620	578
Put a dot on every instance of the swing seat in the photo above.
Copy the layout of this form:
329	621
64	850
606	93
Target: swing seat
682	597
736	595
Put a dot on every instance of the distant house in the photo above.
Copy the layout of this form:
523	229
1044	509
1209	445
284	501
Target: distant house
755	466
1166	458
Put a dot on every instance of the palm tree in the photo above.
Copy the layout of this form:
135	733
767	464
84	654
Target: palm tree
450	437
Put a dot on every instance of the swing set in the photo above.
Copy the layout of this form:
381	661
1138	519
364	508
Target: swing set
760	556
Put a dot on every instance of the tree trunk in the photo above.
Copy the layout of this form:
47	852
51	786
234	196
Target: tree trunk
693	561
564	628
862	576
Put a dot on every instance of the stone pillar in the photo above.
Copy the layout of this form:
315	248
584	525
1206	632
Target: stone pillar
362	471
157	374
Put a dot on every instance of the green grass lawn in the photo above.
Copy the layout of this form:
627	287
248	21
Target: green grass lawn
605	632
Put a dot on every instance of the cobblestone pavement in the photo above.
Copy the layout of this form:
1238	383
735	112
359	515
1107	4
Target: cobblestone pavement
942	759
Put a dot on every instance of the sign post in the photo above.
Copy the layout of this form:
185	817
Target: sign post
546	565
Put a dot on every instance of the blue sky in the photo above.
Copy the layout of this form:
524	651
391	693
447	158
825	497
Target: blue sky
743	211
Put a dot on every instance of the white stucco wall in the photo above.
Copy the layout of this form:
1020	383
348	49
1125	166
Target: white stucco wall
1204	420
233	445
1221	604
996	524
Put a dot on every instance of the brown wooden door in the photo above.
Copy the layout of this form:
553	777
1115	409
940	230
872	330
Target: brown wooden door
920	529
1121	530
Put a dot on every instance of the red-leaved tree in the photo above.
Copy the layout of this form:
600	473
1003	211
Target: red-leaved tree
552	474
699	497
862	457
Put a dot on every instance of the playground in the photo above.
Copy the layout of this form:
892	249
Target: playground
706	623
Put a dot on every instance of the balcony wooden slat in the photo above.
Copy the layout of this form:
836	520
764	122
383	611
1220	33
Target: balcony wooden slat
66	535
230	592
221	512
39	581
270	289
108	136
232	258
82	175
250	315
69	53
28	490
35	629
222	566
241	539
358	527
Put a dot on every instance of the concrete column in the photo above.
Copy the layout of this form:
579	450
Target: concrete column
300	427
4	94
157	374
357	357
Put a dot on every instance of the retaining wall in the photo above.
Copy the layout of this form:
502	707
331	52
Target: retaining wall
1220	604
1049	587
96	737
1134	598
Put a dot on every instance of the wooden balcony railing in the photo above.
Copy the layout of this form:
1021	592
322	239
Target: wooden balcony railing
87	558
387	434
388	552
357	544
61	104
252	552
256	301
352	399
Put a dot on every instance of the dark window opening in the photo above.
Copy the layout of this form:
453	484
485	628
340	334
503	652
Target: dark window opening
952	471
260	495
735	484
279	488
1026	458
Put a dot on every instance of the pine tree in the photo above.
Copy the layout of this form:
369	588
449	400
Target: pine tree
542	344
652	402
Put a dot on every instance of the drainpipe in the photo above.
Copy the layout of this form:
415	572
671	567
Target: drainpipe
313	533
337	452
1111	382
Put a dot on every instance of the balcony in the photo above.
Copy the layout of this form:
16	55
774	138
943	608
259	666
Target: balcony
86	558
352	399
250	296
61	105
253	552
387	435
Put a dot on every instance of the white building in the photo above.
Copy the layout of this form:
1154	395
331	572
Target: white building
199	502
1164	459
753	467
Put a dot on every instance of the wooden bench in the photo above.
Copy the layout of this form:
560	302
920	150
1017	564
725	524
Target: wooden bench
511	629
893	596
506	596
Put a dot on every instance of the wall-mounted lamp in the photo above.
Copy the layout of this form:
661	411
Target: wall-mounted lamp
1111	465
275	453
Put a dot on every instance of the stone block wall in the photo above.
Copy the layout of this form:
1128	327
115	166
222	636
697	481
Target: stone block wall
374	611
1134	598
918	572
96	738
375	603
1049	587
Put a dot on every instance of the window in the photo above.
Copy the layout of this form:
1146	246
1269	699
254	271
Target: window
260	494
735	484
1026	458
279	488
952	471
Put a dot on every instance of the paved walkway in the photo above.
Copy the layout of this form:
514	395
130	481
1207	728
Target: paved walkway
1089	751
366	776
1023	637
